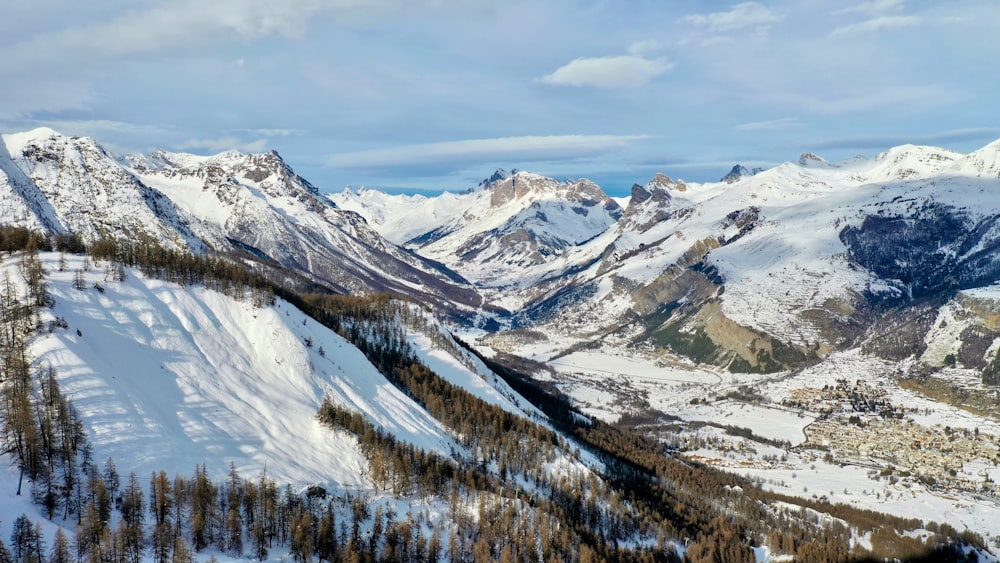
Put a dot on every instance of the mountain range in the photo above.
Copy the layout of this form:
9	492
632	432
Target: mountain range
229	202
759	272
762	277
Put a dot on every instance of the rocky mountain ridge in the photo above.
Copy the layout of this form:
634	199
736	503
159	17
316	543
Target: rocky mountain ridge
254	204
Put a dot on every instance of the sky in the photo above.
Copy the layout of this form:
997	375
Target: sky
428	95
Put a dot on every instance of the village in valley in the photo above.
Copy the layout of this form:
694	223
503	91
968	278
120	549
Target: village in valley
860	425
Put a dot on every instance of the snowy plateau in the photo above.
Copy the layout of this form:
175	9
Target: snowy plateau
825	334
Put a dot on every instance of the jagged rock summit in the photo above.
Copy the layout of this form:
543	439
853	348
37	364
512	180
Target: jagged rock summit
497	176
738	172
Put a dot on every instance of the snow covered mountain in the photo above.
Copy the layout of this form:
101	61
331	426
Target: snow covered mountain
510	224
757	272
257	203
231	201
62	184
681	267
178	378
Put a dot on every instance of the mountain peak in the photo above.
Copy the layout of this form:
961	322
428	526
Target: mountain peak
663	182
16	142
911	161
528	186
498	176
657	190
739	172
40	133
984	162
809	159
639	194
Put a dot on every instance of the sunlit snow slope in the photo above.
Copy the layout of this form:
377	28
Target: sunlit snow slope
167	377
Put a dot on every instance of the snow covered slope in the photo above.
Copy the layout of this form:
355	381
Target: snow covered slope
207	377
167	377
257	202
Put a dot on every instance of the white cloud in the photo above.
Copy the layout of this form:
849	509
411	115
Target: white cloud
622	71
174	26
275	132
748	15
645	47
224	144
873	8
771	125
877	25
526	148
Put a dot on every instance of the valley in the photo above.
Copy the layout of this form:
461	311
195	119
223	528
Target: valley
785	432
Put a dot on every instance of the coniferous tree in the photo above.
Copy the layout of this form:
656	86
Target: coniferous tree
233	516
90	533
326	535
79	281
302	544
203	509
60	548
45	493
25	541
98	495
161	506
181	552
132	520
112	481
162	540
